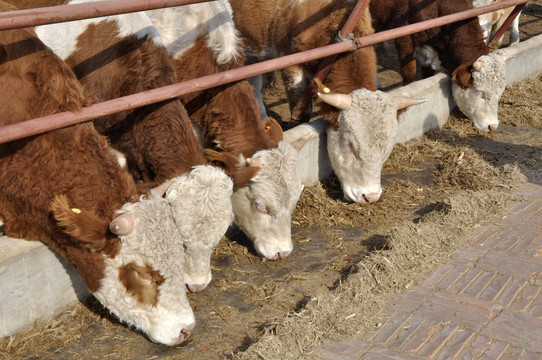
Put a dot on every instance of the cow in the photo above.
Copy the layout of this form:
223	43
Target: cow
66	189
478	74
123	54
283	27
492	21
201	39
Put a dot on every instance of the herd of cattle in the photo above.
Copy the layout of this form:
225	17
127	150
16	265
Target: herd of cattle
136	201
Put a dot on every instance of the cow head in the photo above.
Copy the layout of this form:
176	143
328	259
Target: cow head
268	187
142	281
477	89
201	207
362	140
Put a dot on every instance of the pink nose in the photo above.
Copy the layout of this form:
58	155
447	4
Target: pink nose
281	255
195	288
185	334
371	198
493	127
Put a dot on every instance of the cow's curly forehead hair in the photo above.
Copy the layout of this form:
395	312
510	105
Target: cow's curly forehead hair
277	178
492	76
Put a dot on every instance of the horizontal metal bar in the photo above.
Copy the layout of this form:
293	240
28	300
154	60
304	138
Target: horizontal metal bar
46	123
62	13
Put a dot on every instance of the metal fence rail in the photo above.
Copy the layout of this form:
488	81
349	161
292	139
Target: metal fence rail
35	126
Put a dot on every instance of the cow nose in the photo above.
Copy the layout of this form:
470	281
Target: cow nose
194	288
281	255
492	127
372	197
184	335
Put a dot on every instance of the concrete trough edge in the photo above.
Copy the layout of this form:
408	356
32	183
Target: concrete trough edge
37	284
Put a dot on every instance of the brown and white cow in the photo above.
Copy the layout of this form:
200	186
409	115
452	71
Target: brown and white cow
123	54
201	40
478	75
63	187
357	147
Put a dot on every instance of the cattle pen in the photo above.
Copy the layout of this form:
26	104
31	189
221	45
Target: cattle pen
340	235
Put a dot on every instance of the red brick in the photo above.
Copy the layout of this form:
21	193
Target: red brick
512	238
479	284
495	351
451	277
510	292
531	356
496	287
512	353
437	275
421	335
407	329
525	298
536	311
486	236
383	353
411	302
465	280
433	345
509	263
459	309
517	330
389	328
455	345
479	345
529	240
468	255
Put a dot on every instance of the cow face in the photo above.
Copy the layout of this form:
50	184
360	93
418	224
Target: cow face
363	140
263	208
201	208
478	88
143	283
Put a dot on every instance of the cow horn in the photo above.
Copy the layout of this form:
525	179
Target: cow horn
404	102
122	225
478	65
300	142
160	190
340	101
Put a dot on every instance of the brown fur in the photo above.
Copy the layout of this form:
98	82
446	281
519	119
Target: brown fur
457	44
228	115
42	177
294	28
142	282
157	139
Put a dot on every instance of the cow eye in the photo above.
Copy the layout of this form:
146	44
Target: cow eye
262	208
480	94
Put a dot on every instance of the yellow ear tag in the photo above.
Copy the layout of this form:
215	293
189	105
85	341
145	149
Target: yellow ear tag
77	211
326	90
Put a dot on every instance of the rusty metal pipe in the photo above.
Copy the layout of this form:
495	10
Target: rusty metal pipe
493	41
46	123
62	13
326	64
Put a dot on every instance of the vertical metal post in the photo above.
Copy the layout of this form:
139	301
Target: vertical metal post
325	66
494	40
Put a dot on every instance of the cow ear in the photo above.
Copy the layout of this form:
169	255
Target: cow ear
86	228
273	130
462	76
237	171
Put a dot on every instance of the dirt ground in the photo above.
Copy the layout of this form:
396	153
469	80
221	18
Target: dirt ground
435	189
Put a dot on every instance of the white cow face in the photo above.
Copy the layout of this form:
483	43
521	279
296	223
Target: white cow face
143	284
201	207
363	140
263	208
479	101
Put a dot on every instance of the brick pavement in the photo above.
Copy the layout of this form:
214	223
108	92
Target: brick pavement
486	303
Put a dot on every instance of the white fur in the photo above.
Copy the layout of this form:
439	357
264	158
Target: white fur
62	37
428	57
480	102
277	188
181	26
157	242
201	208
362	143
